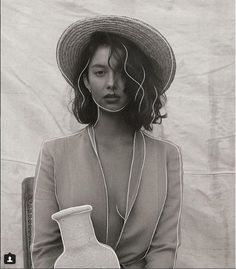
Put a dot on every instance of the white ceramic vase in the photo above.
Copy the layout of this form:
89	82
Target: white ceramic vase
81	247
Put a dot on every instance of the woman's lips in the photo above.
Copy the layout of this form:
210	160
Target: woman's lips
112	98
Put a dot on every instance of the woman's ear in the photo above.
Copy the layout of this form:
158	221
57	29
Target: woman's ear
86	83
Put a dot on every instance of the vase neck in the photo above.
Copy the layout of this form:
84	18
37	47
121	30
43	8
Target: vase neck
77	230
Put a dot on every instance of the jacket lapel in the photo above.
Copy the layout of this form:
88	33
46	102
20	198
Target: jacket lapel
136	176
146	199
136	173
100	215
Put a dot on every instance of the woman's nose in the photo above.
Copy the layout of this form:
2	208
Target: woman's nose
111	80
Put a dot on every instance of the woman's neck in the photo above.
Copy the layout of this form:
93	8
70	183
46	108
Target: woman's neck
112	125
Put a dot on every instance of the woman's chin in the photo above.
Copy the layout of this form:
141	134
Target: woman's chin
112	108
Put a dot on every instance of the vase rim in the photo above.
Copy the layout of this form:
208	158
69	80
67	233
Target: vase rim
71	210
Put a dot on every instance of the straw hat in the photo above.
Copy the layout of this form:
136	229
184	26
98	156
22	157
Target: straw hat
74	39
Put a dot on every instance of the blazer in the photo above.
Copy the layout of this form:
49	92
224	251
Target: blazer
68	174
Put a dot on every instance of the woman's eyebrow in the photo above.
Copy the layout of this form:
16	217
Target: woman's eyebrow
99	65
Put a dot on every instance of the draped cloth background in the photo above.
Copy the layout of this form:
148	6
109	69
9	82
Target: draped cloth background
35	101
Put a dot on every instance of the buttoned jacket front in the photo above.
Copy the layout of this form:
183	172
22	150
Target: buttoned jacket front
68	174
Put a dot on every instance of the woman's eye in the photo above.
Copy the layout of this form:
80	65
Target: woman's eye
99	73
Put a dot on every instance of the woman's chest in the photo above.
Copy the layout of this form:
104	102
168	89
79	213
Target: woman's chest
116	165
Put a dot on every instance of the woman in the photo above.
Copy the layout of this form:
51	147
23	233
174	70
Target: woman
119	69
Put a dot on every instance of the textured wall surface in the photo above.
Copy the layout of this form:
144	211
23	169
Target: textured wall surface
200	109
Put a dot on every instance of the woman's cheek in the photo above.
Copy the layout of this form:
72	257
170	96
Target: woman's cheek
97	95
97	83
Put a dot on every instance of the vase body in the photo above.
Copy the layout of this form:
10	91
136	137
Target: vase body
81	247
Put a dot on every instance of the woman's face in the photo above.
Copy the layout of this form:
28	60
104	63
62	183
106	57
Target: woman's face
105	82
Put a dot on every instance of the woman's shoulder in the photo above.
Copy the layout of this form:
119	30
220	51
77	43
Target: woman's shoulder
169	146
58	142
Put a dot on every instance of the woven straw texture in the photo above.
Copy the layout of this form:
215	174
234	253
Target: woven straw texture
146	37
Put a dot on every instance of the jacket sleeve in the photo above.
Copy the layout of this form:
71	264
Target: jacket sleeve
163	250
46	244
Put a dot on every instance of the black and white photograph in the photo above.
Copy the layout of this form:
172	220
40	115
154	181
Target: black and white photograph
118	134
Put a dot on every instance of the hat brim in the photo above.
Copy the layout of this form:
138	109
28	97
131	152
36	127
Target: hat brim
74	39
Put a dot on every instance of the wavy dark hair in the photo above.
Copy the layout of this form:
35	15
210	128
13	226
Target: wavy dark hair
142	84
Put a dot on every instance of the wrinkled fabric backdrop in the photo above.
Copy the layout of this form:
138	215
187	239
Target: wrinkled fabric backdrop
200	108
